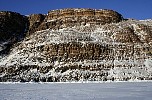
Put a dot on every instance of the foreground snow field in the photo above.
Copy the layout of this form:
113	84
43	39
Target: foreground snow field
77	91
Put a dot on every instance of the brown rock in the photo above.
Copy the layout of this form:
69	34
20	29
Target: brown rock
70	17
126	35
34	21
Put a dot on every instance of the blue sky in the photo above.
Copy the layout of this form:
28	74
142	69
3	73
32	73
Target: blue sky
137	9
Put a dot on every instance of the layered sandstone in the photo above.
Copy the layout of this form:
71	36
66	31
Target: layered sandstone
57	19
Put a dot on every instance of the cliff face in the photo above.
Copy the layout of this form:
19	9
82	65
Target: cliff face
12	25
80	45
63	18
12	29
34	22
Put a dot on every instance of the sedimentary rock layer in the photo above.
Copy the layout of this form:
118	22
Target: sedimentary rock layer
57	19
80	45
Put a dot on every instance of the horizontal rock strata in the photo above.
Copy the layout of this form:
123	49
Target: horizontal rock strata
80	45
62	18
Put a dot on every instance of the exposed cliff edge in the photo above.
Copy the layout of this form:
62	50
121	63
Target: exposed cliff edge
57	19
77	45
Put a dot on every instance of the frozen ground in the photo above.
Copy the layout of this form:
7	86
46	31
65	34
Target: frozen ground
77	91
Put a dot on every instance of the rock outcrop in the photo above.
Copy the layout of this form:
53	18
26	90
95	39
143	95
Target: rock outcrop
12	29
12	25
63	18
34	21
80	45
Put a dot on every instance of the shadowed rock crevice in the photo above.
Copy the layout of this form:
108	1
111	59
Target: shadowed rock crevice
12	29
12	25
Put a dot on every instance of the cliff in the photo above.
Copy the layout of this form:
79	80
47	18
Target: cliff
80	45
11	24
12	29
62	18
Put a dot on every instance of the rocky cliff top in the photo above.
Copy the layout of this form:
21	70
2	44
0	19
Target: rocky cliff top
63	13
13	24
57	19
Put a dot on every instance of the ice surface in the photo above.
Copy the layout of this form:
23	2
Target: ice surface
77	91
